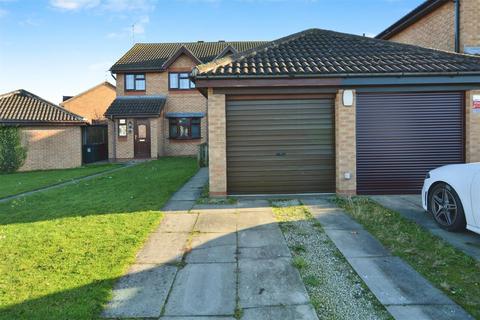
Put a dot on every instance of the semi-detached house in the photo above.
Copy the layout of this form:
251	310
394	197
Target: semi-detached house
158	111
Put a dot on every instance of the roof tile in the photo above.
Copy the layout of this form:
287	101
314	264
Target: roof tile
21	106
152	56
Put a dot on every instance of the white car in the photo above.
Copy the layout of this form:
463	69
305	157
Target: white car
452	195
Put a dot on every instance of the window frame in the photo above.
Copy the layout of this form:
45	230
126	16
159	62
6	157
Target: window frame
191	85
175	121
122	122
135	75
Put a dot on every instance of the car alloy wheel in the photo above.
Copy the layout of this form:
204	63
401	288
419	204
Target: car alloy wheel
444	207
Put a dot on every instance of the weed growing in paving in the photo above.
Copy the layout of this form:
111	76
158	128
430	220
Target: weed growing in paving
336	292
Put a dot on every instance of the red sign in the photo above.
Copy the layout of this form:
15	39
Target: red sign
476	102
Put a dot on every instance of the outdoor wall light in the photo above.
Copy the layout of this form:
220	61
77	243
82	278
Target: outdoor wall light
130	126
347	98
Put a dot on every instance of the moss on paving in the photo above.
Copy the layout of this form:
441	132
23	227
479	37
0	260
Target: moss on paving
16	183
449	269
63	249
335	290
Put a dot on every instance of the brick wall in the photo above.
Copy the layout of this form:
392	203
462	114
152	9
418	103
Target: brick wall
177	101
123	147
93	103
472	129
345	146
217	144
52	147
469	23
437	29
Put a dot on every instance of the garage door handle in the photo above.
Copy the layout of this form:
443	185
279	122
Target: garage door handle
281	154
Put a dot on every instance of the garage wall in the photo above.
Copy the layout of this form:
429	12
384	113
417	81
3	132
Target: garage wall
52	147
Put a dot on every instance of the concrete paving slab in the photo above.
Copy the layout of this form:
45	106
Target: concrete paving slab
270	283
394	282
177	222
187	193
430	312
163	248
334	219
142	292
208	240
302	312
255	218
203	289
214	222
175	205
266	252
218	254
261	237
357	244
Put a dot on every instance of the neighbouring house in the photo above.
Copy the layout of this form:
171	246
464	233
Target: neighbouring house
51	134
92	103
323	112
158	111
450	25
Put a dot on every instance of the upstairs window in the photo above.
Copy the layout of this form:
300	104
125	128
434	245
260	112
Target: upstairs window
135	82
185	128
180	81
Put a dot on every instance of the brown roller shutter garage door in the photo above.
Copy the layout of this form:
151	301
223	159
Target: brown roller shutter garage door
401	136
280	146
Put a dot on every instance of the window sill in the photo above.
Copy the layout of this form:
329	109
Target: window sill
182	90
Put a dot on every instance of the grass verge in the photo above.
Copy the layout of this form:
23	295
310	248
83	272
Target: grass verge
15	183
63	249
335	290
449	269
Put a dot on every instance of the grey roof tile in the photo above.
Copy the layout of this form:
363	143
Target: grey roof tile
152	56
21	106
319	52
134	106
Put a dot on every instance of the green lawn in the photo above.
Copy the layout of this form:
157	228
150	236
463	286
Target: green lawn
449	269
16	183
63	249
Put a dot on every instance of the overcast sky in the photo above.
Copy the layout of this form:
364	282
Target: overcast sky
63	47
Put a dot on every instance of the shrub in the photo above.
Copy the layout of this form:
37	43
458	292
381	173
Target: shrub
12	153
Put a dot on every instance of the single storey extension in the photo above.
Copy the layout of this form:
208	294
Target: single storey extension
51	134
323	112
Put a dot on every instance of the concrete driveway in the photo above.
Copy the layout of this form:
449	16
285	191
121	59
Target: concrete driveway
207	262
410	206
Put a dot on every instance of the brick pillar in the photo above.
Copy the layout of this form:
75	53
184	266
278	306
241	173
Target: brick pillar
345	146
217	144
472	128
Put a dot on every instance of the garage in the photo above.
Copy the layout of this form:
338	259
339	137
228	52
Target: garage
282	145
401	136
400	111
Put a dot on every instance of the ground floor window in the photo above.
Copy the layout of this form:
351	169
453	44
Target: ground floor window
122	127
185	128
